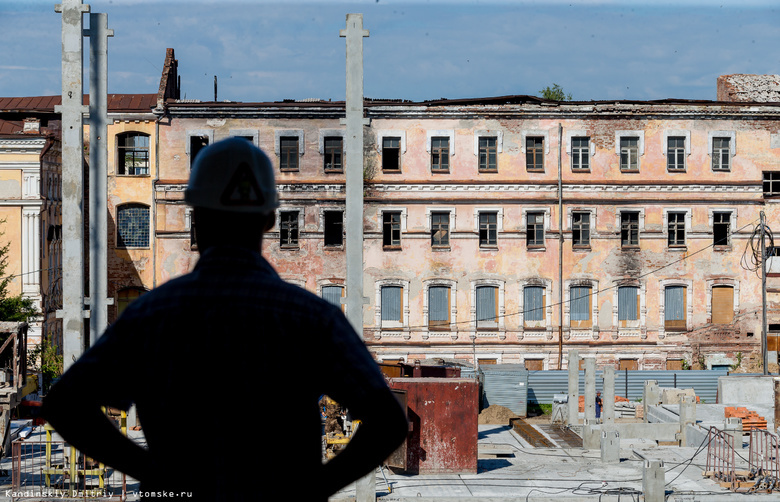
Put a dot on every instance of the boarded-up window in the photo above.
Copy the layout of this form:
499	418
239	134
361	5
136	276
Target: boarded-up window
487	307
333	294
628	308
722	305
438	306
534	364
533	303
391	305
674	307
674	364
484	362
629	364
580	306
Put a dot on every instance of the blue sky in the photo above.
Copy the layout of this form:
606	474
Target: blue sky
417	50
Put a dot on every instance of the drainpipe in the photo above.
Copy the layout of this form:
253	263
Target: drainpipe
160	114
560	251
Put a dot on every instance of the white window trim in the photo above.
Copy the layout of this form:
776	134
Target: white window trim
662	285
594	309
435	133
570	219
430	210
579	133
499	218
331	133
486	133
732	222
722	281
630	134
677	133
209	133
254	133
642	314
324	283
723	134
399	133
688	224
640	210
404	285
453	285
381	212
496	283
279	133
327	209
536	356
535	133
547	322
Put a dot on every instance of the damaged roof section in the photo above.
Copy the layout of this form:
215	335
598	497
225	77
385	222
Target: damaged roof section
749	88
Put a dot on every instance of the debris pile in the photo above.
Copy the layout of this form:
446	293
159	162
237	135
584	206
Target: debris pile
496	414
750	419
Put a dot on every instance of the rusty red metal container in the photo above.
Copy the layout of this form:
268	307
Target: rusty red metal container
443	415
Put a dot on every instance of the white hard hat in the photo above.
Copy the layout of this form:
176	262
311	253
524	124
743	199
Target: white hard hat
232	175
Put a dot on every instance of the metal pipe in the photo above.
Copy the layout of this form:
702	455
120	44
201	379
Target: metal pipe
560	250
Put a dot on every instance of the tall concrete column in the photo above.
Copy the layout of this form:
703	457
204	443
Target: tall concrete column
688	417
72	110
608	396
653	481
574	387
590	390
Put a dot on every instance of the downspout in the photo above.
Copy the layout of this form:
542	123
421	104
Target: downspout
560	251
160	114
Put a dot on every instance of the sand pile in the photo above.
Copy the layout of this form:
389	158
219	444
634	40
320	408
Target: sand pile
496	414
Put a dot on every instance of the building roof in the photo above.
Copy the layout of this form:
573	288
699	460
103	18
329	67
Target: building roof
45	104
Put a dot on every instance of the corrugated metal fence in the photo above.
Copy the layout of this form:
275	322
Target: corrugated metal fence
512	386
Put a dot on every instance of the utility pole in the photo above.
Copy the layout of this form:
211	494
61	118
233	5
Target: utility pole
98	34
765	359
72	111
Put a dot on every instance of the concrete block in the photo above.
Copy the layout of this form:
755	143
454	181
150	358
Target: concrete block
610	446
653	481
753	389
670	395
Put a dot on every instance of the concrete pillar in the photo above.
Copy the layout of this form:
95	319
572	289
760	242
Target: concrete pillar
653	481
590	390
610	446
687	416
776	381
651	395
608	396
574	387
733	427
591	436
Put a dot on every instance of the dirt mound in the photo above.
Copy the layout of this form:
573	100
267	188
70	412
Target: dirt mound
496	414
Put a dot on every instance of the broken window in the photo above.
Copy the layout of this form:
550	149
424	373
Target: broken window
771	183
488	229
288	229
333	228
391	154
675	153
438	307
675	307
440	154
676	229
334	154
440	229
391	229
487	307
629	153
288	153
580	153
132	222
534	234
488	156
132	154
534	153
197	143
580	228
721	154
721	228
629	228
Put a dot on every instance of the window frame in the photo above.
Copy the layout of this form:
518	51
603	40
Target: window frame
440	154
289	133
330	285
288	225
624	294
675	154
207	134
390	228
487	230
489	323
586	324
534	153
717	155
676	228
403	321
129	206
770	179
325	214
487	152
675	324
626	231
121	158
638	150
289	154
385	152
578	228
537	228
715	224
436	226
440	325
398	134
580	162
333	150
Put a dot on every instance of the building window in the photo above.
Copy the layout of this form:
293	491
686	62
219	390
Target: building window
440	154
333	294
675	308
125	297
534	233
580	153
440	229
439	307
334	154
629	228
721	154
488	154
288	229
580	306
628	365
133	154
580	229
534	153
675	153
771	183
391	154
392	306
288	153
721	228
333	228
197	143
629	153
533	303
487	307
132	226
676	229
391	229
628	305
488	229
722	304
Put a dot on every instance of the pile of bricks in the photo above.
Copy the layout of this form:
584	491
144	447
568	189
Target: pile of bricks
750	419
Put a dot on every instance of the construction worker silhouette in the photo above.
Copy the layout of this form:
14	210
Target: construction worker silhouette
227	363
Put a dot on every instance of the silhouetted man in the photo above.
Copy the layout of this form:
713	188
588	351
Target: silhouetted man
226	365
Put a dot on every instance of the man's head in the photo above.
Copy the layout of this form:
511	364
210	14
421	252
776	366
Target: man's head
233	194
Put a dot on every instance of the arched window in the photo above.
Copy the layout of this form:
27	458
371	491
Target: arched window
132	226
125	296
132	154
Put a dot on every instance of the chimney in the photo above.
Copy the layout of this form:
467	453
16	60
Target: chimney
32	126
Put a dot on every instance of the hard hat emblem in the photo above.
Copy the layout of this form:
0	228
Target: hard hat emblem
243	189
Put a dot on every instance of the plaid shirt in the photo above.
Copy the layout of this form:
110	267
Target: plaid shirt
226	365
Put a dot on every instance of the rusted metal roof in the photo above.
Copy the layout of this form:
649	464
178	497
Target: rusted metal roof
8	127
117	103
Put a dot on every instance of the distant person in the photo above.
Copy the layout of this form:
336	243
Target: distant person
206	357
599	404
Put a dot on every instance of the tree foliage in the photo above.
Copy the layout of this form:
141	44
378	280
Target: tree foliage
12	308
555	93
